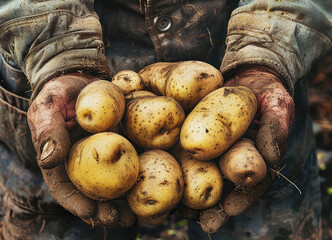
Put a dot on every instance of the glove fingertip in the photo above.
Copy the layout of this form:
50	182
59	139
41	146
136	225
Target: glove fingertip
212	219
107	213
271	142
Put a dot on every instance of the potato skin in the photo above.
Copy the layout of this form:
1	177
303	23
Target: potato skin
99	106
103	166
242	164
155	76
187	82
128	81
153	122
138	94
203	182
191	81
218	121
159	186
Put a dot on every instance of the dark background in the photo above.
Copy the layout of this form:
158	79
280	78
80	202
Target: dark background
321	112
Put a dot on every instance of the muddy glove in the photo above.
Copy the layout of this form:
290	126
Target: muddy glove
50	116
269	129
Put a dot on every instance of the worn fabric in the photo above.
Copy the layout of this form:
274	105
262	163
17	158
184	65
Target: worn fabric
47	38
287	36
40	40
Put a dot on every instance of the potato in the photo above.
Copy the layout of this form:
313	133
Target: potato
242	198
203	182
103	166
138	94
153	121
99	106
159	186
242	164
128	81
155	76
187	82
218	121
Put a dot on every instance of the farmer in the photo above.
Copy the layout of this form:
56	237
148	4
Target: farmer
51	49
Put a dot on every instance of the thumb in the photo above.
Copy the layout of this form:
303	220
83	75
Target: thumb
50	136
48	118
277	112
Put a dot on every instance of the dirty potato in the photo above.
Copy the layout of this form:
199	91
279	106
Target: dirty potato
159	187
103	166
128	81
138	94
153	121
99	106
203	182
187	82
155	75
243	164
218	121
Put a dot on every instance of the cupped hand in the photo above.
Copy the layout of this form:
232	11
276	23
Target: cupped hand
275	112
50	116
269	129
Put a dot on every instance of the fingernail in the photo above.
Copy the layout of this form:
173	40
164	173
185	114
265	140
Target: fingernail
47	150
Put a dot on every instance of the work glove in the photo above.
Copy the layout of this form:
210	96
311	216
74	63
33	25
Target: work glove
50	117
269	130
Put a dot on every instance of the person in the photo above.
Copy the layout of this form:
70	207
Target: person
51	49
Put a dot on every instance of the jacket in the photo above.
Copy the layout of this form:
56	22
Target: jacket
44	39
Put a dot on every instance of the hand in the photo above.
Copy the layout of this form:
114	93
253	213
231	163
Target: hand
275	111
269	129
50	116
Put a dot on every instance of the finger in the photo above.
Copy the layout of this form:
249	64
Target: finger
50	136
113	214
126	216
212	219
277	112
106	215
49	116
241	199
66	194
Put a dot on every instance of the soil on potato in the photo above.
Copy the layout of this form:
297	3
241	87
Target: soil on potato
320	97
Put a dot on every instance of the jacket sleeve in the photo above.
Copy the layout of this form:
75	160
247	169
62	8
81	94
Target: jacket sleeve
48	38
287	36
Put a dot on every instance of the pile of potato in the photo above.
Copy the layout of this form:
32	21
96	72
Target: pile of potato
164	139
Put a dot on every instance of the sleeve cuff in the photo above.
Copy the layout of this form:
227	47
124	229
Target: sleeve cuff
272	40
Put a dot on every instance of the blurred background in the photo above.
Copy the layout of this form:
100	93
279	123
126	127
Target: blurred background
320	97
